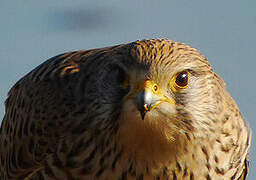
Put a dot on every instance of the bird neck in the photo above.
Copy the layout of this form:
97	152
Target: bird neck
145	144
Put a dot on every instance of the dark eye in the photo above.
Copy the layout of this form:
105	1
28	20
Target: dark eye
117	77
182	79
120	76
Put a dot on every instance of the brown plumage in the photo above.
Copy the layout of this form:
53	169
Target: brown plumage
151	109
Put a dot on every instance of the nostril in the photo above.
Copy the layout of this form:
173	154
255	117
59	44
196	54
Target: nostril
155	88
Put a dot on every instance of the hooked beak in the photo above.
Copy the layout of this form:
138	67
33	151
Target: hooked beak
148	95
145	100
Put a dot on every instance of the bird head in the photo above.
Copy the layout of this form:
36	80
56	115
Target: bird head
168	97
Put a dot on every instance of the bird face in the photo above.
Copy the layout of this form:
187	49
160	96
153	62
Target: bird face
149	94
155	101
153	111
162	103
165	95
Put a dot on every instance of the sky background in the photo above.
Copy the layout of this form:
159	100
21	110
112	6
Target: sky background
224	31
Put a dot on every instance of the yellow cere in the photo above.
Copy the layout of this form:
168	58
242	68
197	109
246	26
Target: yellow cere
149	85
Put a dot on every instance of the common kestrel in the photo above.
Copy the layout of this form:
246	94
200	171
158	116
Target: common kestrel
150	109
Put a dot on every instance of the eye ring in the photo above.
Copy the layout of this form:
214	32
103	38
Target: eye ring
181	80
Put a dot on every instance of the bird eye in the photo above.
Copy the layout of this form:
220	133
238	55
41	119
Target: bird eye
116	81
120	77
182	79
179	81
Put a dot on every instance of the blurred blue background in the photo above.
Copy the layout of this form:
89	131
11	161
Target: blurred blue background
224	31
